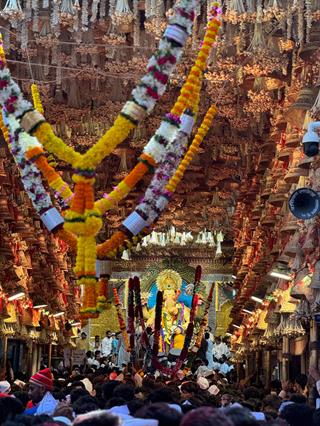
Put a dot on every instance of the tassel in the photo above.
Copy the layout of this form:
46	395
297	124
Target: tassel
84	15
258	41
55	17
237	6
123	161
67	7
103	9
314	111
94	10
35	21
136	27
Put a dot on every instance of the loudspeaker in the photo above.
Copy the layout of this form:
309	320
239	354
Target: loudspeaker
304	203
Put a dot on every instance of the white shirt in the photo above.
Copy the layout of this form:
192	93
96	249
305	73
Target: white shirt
94	362
106	346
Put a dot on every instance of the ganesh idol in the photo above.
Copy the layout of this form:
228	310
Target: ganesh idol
176	305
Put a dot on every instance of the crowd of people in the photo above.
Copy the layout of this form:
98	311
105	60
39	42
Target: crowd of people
111	395
110	351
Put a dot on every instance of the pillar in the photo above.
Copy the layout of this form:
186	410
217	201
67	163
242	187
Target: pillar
247	373
285	359
34	358
313	360
50	354
268	367
5	350
39	357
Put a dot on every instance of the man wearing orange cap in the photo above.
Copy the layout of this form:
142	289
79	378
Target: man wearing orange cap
40	387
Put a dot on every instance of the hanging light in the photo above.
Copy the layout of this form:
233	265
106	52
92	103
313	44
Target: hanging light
246	311
234	277
18	294
235	326
76	324
39	304
256	299
281	273
58	314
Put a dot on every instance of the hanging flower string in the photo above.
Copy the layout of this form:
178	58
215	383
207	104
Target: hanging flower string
102	294
131	315
204	321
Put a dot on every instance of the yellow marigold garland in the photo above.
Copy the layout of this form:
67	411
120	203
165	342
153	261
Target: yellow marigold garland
193	149
36	98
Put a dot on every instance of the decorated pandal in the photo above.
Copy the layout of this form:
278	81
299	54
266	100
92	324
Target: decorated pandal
171	134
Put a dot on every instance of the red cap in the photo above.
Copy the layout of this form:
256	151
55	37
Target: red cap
43	378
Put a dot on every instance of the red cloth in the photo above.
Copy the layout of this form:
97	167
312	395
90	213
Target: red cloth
43	378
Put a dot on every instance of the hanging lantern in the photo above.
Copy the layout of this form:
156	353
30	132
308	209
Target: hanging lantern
304	102
122	17
12	10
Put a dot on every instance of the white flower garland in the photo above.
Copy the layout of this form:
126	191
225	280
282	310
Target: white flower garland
20	142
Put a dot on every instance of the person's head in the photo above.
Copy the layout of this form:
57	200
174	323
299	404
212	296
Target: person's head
300	382
226	400
108	333
97	355
207	335
188	389
124	391
240	416
165	415
83	335
275	386
178	330
251	392
115	401
135	405
22	396
108	388
161	395
297	415
85	404
39	384
297	398
97	339
9	408
149	330
316	417
89	354
218	339
75	372
205	416
78	393
97	418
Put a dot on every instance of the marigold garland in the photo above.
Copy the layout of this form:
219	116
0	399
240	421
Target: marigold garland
204	320
36	98
102	294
